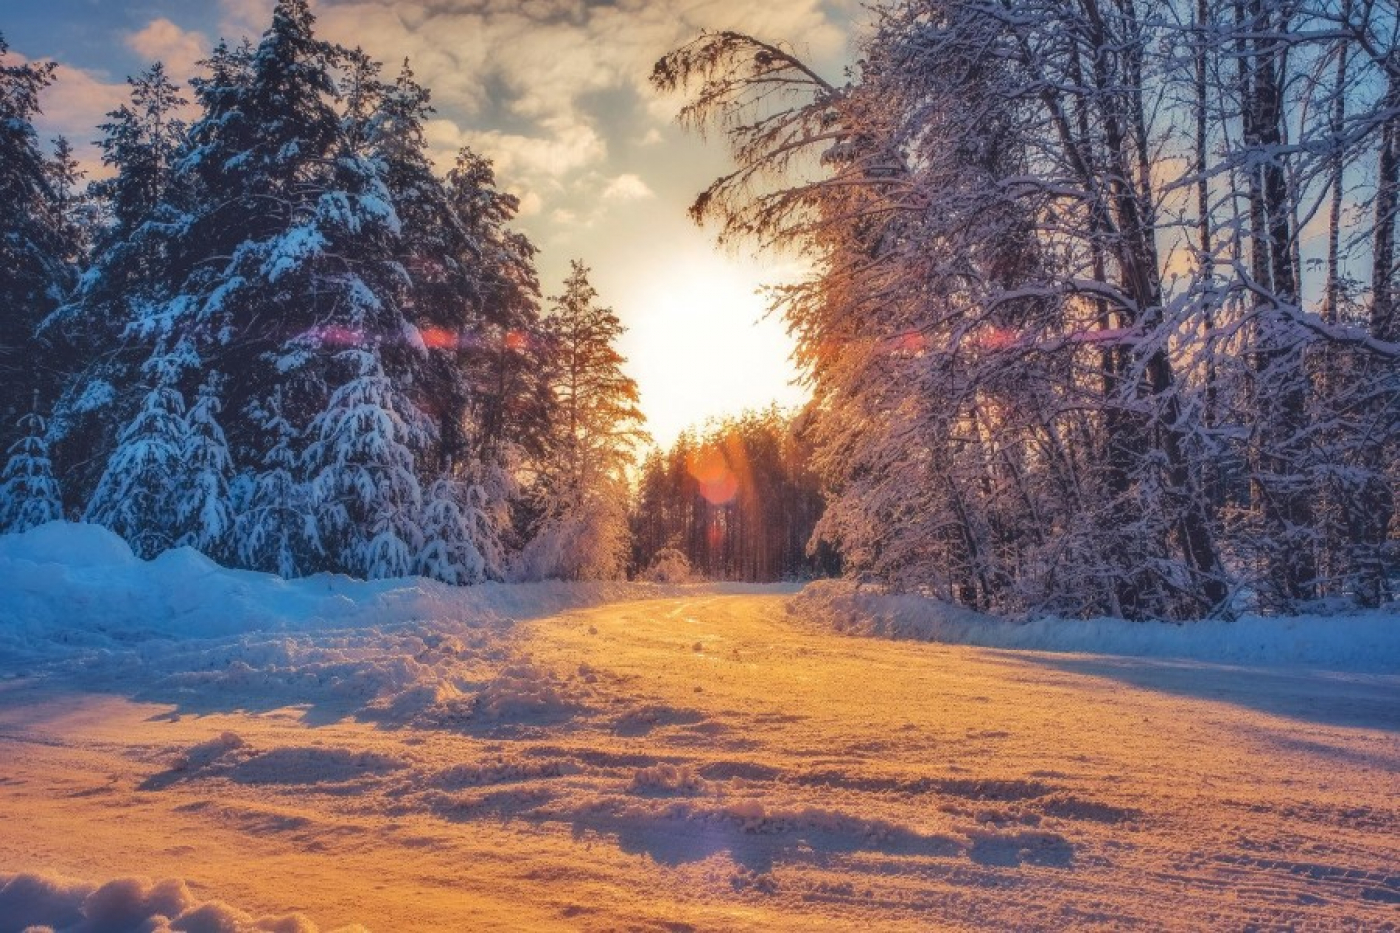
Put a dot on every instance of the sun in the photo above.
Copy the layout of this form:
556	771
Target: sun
699	342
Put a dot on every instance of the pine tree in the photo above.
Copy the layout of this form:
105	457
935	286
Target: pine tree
583	533
505	354
275	526
284	281
361	468
35	273
104	334
29	494
141	140
76	213
137	495
205	514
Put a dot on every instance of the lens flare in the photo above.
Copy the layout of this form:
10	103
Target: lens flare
718	484
438	338
998	338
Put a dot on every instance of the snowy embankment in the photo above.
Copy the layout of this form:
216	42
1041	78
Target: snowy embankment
1361	642
182	629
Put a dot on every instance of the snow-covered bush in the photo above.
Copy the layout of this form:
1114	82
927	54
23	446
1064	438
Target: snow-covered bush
668	566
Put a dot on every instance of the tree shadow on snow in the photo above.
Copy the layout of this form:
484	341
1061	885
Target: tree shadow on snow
1365	701
673	841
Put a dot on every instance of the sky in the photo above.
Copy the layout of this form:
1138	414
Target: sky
555	92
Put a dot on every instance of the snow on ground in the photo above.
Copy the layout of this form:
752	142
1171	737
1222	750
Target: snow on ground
38	903
186	630
1367	641
399	755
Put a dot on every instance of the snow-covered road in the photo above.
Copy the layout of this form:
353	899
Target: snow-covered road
715	762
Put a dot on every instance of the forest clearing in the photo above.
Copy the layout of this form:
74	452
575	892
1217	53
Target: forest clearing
704	758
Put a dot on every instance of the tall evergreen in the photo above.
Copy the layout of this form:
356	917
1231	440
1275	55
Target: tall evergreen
137	495
35	270
583	531
297	347
141	140
103	335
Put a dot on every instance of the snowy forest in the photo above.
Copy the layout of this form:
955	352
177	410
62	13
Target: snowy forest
1101	319
1103	311
738	501
275	334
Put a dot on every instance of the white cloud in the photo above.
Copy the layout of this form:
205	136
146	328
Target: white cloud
539	60
627	188
530	204
161	40
241	18
73	106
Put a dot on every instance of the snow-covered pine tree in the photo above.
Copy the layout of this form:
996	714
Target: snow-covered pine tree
138	494
275	526
363	476
29	494
471	303
583	533
78	215
286	273
451	528
205	513
441	259
141	140
103	335
34	271
507	357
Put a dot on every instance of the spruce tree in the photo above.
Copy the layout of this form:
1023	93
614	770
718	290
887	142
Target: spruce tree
141	140
137	494
34	254
275	528
205	513
29	494
104	334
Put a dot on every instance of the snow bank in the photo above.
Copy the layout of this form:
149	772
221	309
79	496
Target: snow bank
180	628
49	903
1362	642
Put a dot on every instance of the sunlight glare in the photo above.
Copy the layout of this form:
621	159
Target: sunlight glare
698	342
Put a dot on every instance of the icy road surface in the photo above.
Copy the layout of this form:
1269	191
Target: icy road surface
716	763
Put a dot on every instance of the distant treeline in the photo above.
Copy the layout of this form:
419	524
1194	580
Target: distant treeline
739	500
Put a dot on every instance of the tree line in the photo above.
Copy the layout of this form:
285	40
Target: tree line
1104	312
736	501
278	335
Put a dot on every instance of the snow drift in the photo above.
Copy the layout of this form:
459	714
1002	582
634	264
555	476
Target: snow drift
182	629
1362	642
47	903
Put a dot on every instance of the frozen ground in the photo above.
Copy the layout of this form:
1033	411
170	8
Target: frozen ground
323	753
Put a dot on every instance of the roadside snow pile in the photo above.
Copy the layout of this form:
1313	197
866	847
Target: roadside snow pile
1361	642
181	629
46	903
81	584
